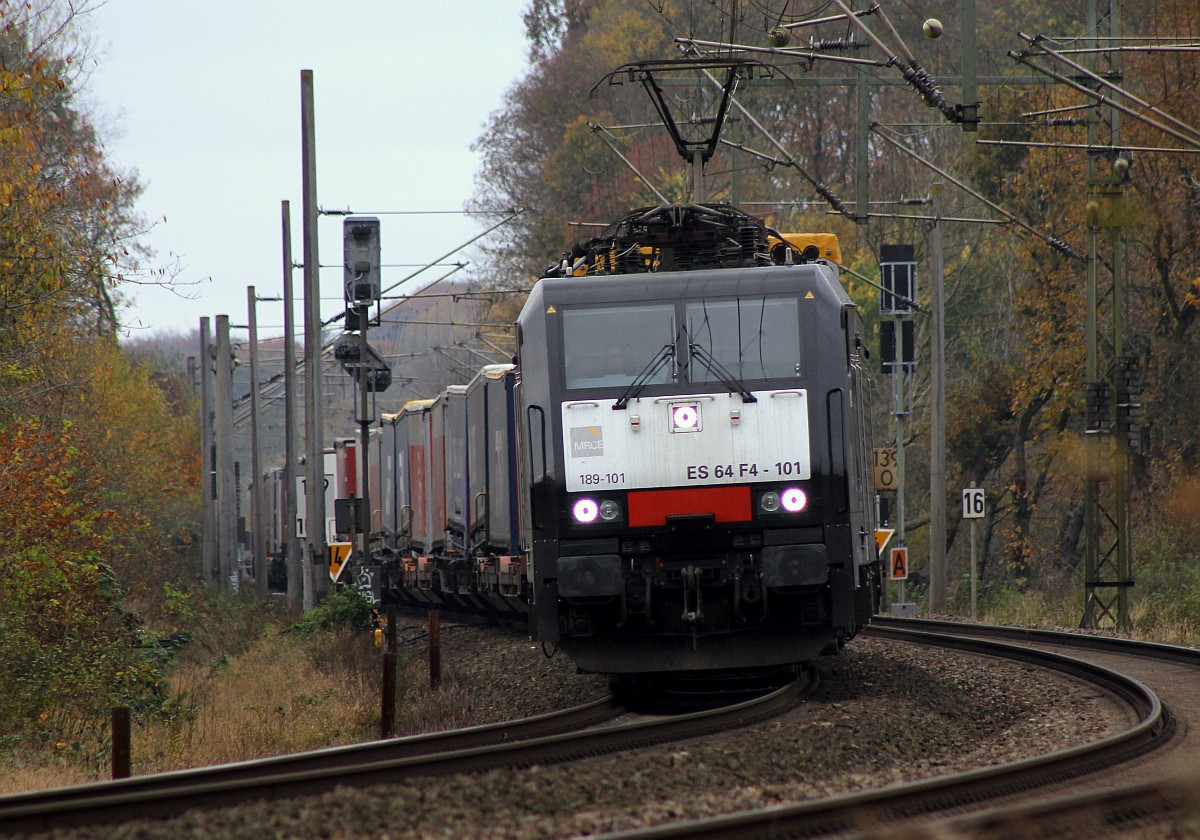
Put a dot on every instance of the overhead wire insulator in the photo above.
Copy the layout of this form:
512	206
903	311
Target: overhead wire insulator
833	44
925	86
830	196
1062	247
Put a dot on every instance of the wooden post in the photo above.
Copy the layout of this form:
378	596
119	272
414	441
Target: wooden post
435	648
120	742
387	718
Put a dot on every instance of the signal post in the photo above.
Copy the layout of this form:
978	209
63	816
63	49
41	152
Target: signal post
362	283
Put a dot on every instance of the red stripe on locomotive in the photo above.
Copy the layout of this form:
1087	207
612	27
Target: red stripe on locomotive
652	507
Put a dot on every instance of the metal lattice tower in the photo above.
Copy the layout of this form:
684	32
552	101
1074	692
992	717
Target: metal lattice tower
1112	383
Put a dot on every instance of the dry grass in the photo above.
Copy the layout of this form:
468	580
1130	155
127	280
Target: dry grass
35	772
1065	610
1153	627
273	699
282	695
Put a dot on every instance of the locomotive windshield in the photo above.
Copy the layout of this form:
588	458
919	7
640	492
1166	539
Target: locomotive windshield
742	339
752	339
609	346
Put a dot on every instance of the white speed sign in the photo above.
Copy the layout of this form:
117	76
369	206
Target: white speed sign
974	503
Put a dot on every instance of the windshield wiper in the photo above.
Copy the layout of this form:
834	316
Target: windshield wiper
724	376
666	354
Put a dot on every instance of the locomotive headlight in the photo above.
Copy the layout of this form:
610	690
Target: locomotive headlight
769	502
586	511
794	500
685	417
610	511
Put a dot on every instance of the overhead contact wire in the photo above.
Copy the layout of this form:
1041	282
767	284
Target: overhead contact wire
1053	241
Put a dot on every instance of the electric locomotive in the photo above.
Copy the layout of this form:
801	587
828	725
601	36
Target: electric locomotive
693	449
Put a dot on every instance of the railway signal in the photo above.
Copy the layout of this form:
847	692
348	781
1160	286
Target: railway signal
361	264
897	279
348	351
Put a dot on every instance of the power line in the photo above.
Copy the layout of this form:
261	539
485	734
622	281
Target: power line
1054	242
466	212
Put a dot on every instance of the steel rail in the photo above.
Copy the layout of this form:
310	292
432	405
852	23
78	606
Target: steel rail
330	759
1063	638
1099	813
889	808
311	773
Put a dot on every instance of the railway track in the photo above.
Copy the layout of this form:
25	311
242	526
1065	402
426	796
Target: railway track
561	736
1043	791
1060	789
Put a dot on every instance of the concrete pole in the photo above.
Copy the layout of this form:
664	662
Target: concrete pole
937	430
901	414
314	438
226	481
208	463
258	507
291	544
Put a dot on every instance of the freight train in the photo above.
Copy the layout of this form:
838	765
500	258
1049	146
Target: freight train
672	477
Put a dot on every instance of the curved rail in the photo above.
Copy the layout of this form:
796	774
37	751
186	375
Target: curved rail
845	815
16	808
1083	641
438	754
1102	813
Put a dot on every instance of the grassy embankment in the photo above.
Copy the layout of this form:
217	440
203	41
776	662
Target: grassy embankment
252	682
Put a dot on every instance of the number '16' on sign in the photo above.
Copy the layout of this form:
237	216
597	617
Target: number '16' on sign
973	503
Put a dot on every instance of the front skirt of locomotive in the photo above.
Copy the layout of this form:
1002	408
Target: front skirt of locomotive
762	606
641	654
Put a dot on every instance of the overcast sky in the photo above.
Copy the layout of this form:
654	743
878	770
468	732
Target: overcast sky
204	99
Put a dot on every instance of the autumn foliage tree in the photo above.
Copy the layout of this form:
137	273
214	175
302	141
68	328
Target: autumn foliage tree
98	471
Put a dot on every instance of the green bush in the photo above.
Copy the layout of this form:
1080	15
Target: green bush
346	607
